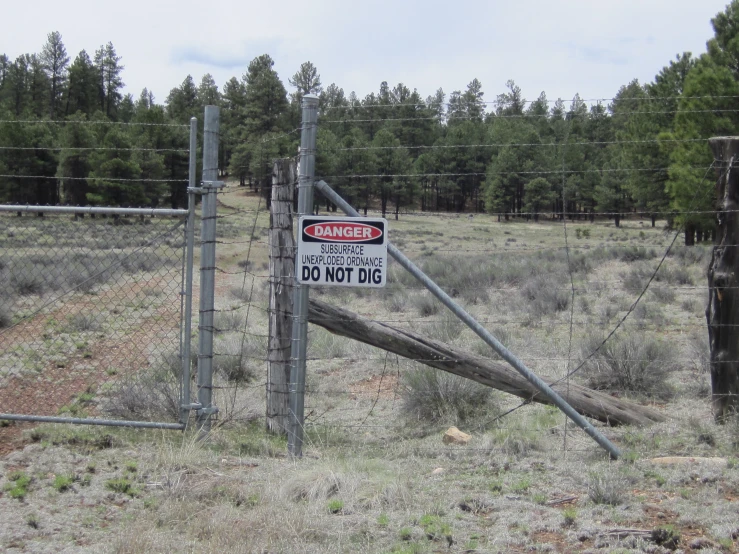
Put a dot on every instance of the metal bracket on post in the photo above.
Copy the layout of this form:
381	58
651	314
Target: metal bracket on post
298	347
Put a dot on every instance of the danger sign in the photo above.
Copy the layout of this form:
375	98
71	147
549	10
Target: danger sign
347	252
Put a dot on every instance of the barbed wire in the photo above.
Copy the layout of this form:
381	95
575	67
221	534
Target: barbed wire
433	250
498	102
420	322
116	179
446	359
397	287
522	144
93	148
493	116
625	214
92	122
525	172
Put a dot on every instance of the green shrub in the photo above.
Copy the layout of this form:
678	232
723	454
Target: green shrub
237	358
425	304
18	484
122	486
335	506
637	277
545	294
446	328
229	320
628	362
569	515
634	253
154	395
434	396
63	483
325	345
27	284
81	322
606	487
6	315
33	521
664	295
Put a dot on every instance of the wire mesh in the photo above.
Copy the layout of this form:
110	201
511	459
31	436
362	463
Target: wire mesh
90	309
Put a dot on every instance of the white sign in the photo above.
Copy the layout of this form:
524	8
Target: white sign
342	251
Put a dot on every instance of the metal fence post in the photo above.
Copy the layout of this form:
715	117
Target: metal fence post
300	300
208	267
186	400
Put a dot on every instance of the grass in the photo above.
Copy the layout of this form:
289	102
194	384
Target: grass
63	483
18	485
335	506
569	516
122	486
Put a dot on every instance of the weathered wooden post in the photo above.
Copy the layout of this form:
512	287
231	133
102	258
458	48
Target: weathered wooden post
281	278
722	312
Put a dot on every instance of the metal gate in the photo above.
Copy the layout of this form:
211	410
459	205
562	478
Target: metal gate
92	308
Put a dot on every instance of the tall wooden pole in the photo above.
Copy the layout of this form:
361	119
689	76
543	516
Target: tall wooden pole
281	278
722	312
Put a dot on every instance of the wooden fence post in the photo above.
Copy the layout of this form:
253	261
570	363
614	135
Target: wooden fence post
722	312
281	276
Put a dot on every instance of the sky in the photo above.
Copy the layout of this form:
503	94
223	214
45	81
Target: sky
561	47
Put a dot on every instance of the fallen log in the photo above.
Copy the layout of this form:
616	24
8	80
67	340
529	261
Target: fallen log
433	353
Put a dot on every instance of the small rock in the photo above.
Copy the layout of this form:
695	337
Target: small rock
455	436
438	470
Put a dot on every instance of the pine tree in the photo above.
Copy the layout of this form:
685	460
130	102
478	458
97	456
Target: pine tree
110	82
706	109
74	160
266	99
31	163
37	88
307	81
126	109
207	93
233	102
4	81
182	101
114	173
82	90
55	61
16	87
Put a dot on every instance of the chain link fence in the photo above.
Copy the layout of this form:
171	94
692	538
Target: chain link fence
91	312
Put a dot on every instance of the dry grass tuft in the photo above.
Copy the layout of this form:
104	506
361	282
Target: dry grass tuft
315	485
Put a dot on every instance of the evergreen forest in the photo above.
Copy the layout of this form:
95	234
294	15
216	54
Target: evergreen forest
69	135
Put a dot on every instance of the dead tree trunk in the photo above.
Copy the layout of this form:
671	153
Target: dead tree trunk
722	312
281	275
439	355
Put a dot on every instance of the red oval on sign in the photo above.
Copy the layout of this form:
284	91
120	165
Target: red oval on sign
339	231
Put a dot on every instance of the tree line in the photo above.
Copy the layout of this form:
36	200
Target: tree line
69	134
